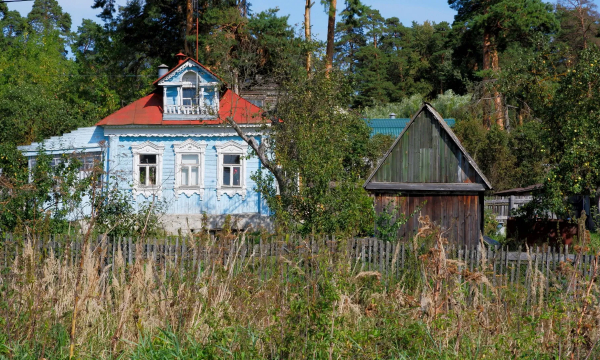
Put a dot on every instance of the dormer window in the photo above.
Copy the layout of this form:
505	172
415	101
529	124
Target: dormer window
190	93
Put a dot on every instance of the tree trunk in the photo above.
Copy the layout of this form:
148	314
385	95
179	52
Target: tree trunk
307	33
236	82
498	106
261	153
490	62
581	15
189	25
487	44
244	8
330	35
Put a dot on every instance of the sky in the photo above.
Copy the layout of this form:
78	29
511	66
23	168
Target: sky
406	10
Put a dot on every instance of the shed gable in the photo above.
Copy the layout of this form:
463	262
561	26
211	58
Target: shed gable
427	152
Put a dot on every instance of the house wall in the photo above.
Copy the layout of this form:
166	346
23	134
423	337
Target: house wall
183	209
461	215
79	141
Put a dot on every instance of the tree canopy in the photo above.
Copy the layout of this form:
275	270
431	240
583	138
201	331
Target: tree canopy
519	77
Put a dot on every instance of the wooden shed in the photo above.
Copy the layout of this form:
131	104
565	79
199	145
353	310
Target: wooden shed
428	166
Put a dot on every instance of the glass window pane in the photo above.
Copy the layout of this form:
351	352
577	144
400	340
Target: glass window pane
194	176
152	177
189	96
231	159
143	175
189	92
236	176
147	159
226	175
189	159
184	176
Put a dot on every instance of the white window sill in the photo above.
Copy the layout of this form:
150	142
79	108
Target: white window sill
231	192
147	191
189	191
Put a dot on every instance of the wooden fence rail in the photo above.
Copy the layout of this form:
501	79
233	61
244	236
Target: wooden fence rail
267	257
502	206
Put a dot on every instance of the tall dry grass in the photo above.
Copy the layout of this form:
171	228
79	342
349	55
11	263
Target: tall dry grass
309	307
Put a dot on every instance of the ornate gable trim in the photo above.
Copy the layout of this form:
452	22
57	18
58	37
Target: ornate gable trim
185	67
232	146
190	146
147	147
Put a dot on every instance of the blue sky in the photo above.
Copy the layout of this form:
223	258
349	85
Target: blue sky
406	10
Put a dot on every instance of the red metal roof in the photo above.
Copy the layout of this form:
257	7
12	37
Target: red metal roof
183	62
148	111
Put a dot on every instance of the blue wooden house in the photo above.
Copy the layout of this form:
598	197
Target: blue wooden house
175	145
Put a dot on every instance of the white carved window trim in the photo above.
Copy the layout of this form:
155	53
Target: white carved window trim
147	148
193	148
231	148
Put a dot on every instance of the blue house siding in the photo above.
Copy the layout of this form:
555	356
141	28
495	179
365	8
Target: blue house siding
192	204
86	139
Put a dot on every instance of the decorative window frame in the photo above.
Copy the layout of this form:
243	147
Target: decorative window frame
231	148
149	148
194	148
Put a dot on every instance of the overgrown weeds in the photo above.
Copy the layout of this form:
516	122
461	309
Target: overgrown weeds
310	306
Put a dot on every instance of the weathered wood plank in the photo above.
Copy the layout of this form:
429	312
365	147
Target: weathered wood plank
450	187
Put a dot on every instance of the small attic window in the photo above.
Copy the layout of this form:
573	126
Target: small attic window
189	79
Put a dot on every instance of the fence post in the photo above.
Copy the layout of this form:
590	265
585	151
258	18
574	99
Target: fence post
260	251
129	252
548	272
511	205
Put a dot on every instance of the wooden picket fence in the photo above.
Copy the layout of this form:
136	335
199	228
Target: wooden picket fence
267	257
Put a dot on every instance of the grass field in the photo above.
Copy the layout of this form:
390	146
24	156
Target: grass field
438	310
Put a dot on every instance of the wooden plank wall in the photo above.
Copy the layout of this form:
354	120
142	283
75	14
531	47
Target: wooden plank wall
459	214
426	154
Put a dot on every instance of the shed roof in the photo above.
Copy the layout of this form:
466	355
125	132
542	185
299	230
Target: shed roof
416	153
393	127
519	191
148	111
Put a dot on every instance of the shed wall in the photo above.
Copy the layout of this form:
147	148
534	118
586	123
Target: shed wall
459	215
426	154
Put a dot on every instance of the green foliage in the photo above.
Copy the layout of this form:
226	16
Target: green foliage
389	221
447	104
39	90
490	226
326	153
44	200
504	21
387	61
568	137
115	215
47	15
